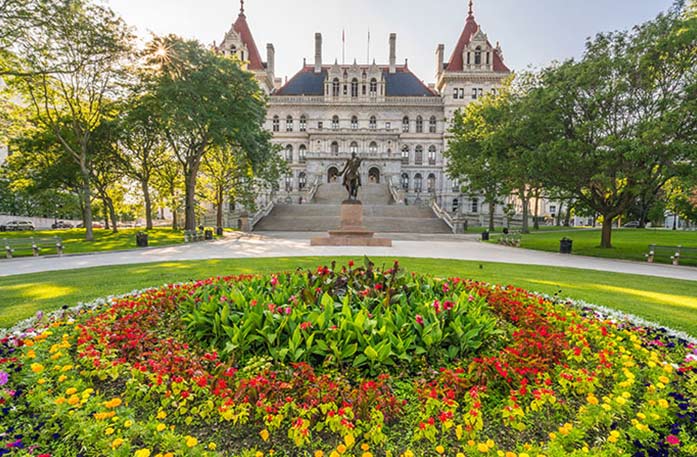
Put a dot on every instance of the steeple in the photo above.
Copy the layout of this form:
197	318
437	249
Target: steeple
471	11
242	7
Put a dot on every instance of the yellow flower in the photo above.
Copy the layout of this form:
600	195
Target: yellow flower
109	431
668	368
37	368
128	423
482	447
60	400
614	436
259	454
113	403
663	403
440	449
74	400
334	454
349	440
367	454
31	354
142	453
319	453
341	449
460	454
62	378
212	446
365	447
408	453
664	379
161	415
510	454
116	443
264	435
191	441
160	427
592	399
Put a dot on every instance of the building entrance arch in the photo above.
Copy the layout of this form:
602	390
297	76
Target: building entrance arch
332	175
374	175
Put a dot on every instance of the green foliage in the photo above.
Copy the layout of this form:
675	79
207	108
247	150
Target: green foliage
366	319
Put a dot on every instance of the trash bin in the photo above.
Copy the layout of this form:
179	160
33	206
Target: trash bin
506	231
485	236
142	240
219	231
566	246
208	234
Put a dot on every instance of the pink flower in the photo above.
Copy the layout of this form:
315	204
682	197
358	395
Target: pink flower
673	440
419	319
446	287
436	306
274	281
287	310
4	378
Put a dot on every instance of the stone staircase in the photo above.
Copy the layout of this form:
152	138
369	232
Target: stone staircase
379	215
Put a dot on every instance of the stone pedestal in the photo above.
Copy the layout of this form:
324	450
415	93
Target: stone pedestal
352	231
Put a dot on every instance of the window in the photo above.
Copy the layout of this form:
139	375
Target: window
474	94
336	87
303	123
405	124
431	183
419	124
373	87
373	123
462	94
481	92
456	204
289	183
405	154
493	92
373	148
289	153
302	153
433	125
289	124
419	152
345	89
335	123
475	205
553	210
456	186
478	56
418	182
432	155
353	149
388	125
456	93
364	90
335	148
354	123
405	181
354	88
488	58
302	180
276	124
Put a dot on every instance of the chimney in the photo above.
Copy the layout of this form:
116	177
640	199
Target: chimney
318	52
393	52
270	60
440	51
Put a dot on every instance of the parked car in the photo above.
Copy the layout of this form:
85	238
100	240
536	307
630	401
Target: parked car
632	224
17	226
61	225
95	225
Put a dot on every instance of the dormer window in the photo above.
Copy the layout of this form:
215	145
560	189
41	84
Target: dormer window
405	124
478	56
419	124
336	87
433	125
373	87
354	88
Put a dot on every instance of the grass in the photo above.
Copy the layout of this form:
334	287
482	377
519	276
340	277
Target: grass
543	228
104	240
628	244
668	301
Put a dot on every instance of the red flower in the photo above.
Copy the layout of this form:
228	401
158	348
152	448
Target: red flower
351	263
673	440
419	319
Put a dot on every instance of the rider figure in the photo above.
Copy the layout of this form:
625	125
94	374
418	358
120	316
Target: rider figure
352	176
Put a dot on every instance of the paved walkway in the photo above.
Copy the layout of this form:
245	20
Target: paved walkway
464	247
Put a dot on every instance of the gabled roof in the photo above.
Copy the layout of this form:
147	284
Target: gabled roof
242	28
402	83
456	59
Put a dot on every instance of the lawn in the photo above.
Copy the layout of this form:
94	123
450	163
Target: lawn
628	244
670	302
104	240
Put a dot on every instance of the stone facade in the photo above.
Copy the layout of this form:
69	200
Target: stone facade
386	114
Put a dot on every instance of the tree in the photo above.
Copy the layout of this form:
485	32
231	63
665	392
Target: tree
169	184
475	155
206	102
70	69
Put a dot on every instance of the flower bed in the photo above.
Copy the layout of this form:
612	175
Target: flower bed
344	361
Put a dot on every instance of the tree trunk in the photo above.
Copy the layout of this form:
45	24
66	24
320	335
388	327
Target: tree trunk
107	225
148	205
561	208
219	208
536	222
191	174
175	224
112	213
87	202
606	242
567	219
526	212
492	210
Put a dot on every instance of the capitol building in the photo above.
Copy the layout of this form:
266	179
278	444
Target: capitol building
383	112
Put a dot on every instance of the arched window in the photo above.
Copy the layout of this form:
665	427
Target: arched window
433	125
419	124
335	123
276	124
478	56
302	153
456	204
418	182
302	180
289	153
354	123
353	149
336	87
289	183
405	124
405	154
354	88
373	87
419	155
289	124
475	205
373	149
405	181
432	155
373	123
303	123
335	148
431	183
456	186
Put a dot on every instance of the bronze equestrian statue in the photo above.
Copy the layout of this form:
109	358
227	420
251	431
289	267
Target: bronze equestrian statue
352	176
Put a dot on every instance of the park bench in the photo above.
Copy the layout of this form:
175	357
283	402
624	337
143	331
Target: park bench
675	253
33	244
191	236
512	239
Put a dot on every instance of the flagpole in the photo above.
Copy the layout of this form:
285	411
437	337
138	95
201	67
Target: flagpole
368	61
343	47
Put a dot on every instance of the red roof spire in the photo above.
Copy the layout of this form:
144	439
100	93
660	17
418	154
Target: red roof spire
242	28
471	12
241	6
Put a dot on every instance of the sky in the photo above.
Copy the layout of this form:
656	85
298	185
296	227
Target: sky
532	33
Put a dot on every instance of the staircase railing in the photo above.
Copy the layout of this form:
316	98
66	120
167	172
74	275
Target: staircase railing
443	215
397	193
313	190
262	213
